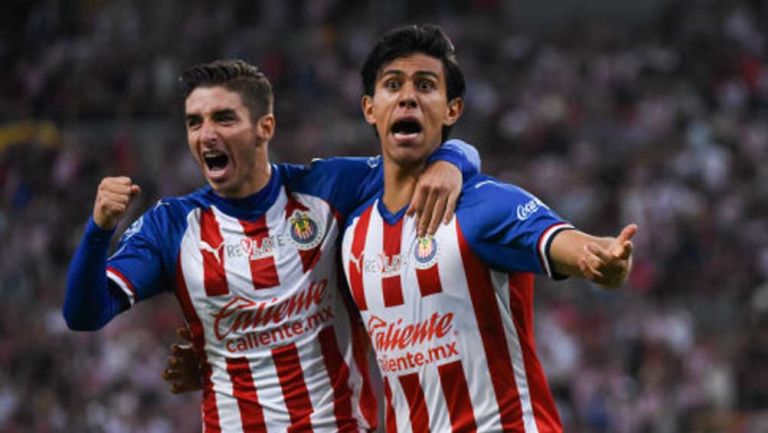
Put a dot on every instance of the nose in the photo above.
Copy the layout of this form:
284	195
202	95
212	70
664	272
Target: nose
407	97
208	133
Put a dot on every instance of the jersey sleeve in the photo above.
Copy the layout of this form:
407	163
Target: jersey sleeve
459	153
137	266
507	227
348	182
343	182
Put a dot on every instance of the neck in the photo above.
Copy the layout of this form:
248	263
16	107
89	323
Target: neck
399	184
261	172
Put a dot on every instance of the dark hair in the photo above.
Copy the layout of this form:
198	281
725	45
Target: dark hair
236	76
426	39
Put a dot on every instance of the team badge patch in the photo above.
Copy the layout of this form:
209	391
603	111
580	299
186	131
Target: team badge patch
425	252
305	232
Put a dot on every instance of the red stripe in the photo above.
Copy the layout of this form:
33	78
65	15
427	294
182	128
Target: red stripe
356	260
429	280
214	277
338	371
122	278
244	390
521	306
492	333
211	421
391	421
295	392
360	349
309	258
263	269
392	285
456	394
416	404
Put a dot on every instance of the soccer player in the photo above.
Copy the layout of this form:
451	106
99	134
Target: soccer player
450	315
252	259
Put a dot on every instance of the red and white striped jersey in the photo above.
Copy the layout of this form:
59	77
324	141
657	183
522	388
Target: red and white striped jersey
258	283
450	317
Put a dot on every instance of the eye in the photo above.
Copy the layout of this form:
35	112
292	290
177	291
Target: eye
425	85
225	118
392	85
193	122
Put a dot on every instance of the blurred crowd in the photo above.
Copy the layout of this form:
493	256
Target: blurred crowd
660	122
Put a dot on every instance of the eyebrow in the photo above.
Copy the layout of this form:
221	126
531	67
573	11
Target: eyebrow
418	73
216	113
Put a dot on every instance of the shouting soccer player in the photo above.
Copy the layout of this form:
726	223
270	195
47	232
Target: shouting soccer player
252	259
450	315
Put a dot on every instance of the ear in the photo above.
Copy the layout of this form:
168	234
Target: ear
455	108
367	105
265	127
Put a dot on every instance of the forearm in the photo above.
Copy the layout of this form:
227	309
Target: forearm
569	247
459	153
603	260
88	302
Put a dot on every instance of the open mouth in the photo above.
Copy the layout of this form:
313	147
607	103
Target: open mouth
215	160
406	127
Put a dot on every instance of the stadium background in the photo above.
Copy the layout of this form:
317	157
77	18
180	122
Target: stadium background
652	112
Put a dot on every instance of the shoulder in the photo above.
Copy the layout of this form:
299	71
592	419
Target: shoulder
491	194
170	212
330	167
487	205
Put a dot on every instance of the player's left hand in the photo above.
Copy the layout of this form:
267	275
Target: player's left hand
183	366
609	265
435	197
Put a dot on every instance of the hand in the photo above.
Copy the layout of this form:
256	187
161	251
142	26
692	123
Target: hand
112	200
183	366
435	197
609	265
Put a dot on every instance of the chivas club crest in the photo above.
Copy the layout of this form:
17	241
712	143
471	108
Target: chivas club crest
425	252
304	230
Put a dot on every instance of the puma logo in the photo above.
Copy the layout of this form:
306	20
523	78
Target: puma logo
357	261
217	252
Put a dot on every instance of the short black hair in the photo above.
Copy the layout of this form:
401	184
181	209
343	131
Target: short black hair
237	76
429	39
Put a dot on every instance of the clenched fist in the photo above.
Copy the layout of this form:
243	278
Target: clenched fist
112	200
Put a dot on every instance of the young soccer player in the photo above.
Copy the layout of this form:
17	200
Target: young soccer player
450	315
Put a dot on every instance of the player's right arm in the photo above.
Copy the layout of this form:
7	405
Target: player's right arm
348	182
90	301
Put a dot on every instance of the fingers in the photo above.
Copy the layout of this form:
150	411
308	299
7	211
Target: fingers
112	199
450	207
623	246
430	209
184	333
627	232
592	266
417	202
438	214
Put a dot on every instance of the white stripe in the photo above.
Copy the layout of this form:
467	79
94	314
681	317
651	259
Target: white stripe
124	286
544	240
453	278
374	241
516	356
287	264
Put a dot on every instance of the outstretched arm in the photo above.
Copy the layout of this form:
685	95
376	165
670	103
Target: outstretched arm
604	260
